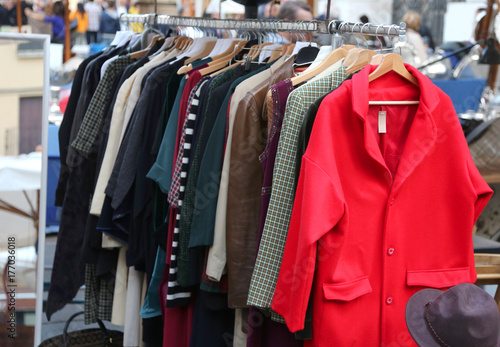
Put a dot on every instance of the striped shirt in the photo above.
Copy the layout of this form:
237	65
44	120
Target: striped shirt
178	295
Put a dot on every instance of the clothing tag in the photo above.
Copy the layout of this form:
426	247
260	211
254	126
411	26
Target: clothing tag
382	122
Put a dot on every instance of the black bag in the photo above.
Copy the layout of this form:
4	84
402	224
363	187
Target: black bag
96	337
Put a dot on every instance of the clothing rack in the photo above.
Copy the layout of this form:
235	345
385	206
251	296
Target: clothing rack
315	26
138	18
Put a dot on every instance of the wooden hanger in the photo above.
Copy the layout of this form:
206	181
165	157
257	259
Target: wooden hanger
393	62
143	52
183	44
220	62
225	69
210	69
351	56
228	51
255	55
185	69
332	57
168	42
348	47
289	50
363	58
223	62
254	51
178	43
377	59
186	44
231	53
285	48
276	54
209	45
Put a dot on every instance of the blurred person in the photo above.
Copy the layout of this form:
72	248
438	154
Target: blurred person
82	20
38	6
56	18
135	8
261	11
4	15
413	21
11	6
426	34
110	23
103	4
182	12
294	10
94	20
122	8
274	9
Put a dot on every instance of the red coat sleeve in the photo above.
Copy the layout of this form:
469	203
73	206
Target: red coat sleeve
318	207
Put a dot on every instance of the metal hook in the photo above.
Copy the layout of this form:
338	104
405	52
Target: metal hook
363	36
310	29
393	26
354	35
378	38
274	32
329	28
299	31
302	30
281	29
389	39
262	32
334	34
293	34
342	33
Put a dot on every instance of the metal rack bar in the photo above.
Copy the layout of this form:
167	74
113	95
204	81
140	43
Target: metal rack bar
318	26
138	18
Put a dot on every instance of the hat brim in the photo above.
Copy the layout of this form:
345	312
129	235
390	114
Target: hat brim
414	314
415	320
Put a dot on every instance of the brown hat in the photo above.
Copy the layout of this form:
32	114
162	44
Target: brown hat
465	315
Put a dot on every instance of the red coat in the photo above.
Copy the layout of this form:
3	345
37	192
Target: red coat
378	217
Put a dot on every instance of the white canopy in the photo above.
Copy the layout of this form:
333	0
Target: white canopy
20	181
21	173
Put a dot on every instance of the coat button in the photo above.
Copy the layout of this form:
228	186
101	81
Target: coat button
388	301
390	251
392	201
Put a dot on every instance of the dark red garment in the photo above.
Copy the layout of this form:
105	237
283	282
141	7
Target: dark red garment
194	77
177	321
264	332
280	92
378	216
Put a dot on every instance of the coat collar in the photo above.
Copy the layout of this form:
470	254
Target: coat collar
423	132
